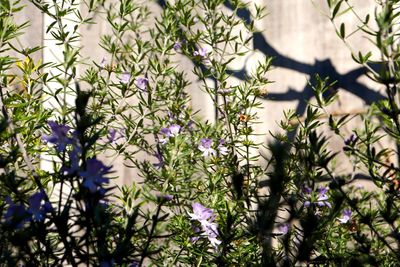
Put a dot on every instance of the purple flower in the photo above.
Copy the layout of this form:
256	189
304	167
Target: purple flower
206	219
160	160
16	213
125	78
202	52
191	125
59	136
165	131
177	46
114	135
103	62
206	147
194	239
174	130
307	190
38	207
142	83
223	150
283	228
321	197
171	116
163	141
93	176
74	158
211	231
168	132
47	207
351	140
346	216
201	213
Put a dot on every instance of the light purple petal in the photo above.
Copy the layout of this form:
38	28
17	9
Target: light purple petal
141	83
202	52
283	228
174	129
346	216
36	206
166	131
177	46
307	190
206	143
94	175
125	77
201	213
103	62
347	212
322	190
59	136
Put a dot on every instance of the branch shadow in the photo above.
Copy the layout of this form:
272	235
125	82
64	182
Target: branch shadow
325	68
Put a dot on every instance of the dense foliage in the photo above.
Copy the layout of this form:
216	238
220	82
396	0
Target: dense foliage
204	193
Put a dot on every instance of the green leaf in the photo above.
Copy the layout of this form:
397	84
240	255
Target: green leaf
50	26
336	9
342	31
366	19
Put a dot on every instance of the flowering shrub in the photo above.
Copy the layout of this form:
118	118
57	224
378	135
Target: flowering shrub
203	195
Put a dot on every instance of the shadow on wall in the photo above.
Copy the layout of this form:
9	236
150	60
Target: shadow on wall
345	82
325	68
